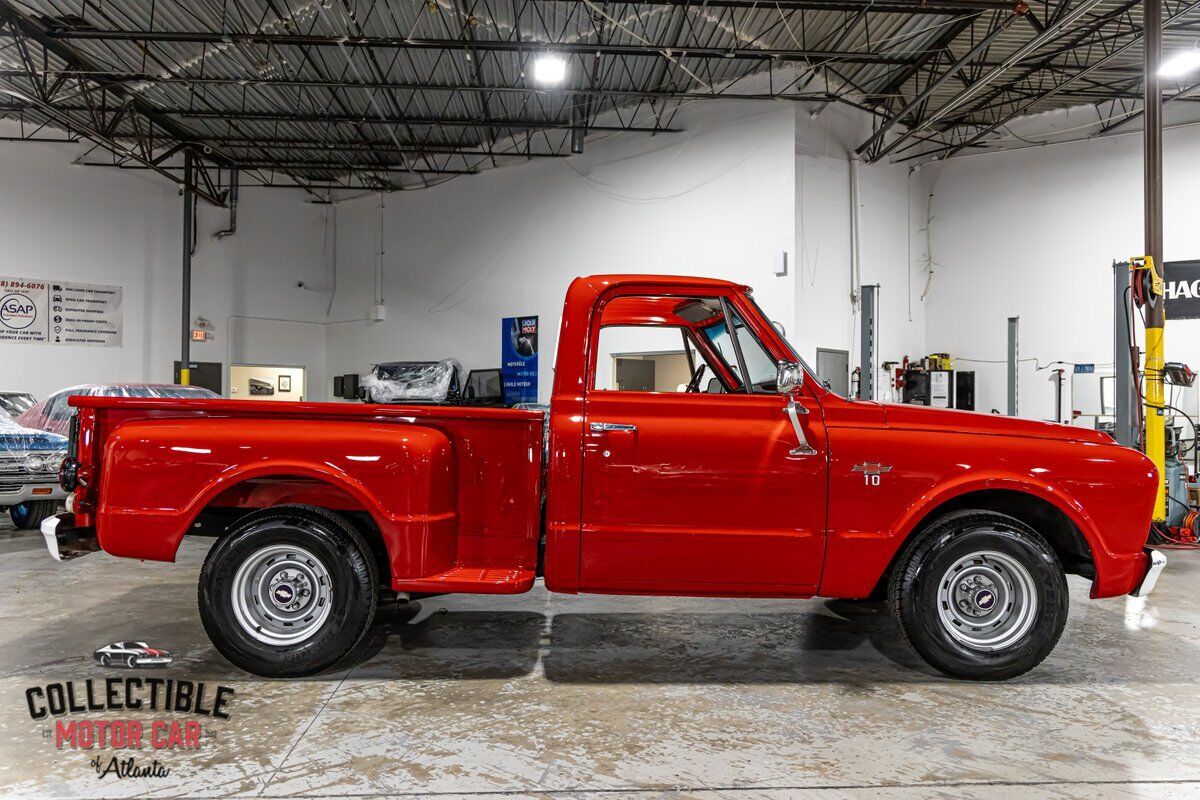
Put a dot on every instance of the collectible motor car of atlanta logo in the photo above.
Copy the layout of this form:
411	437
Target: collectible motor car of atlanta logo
133	655
117	718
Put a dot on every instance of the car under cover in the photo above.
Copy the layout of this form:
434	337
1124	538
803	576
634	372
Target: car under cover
16	438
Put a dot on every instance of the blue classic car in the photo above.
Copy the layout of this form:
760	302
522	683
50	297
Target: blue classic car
29	461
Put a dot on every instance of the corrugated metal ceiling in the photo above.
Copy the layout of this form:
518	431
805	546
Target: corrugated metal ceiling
388	93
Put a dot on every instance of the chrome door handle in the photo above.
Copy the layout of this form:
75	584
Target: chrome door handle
601	427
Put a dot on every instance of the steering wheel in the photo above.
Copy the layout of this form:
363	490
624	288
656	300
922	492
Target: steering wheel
693	386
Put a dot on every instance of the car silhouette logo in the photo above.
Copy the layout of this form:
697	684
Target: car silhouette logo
133	655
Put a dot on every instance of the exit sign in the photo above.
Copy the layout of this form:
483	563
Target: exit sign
199	336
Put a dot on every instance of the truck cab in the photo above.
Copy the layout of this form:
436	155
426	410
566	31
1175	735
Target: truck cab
702	489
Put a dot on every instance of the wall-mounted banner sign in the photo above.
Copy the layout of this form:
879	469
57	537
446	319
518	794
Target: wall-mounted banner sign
1183	289
36	311
519	359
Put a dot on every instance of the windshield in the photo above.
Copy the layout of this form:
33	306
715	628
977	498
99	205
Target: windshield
181	392
799	359
16	403
759	364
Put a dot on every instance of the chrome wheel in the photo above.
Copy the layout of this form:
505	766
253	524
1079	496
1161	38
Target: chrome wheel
987	601
281	594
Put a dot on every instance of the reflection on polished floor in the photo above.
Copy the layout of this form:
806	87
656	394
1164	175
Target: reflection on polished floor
617	697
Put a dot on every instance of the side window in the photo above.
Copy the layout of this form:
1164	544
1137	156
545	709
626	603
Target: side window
677	344
643	358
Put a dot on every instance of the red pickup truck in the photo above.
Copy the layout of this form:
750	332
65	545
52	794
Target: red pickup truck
746	478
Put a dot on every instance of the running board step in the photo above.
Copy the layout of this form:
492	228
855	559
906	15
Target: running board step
470	580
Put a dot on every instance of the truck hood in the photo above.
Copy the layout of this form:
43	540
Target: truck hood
900	415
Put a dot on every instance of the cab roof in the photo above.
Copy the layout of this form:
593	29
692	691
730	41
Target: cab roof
602	283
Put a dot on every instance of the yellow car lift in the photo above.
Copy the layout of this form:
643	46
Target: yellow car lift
1147	290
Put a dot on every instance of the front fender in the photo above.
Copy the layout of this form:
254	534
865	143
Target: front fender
944	493
1106	491
158	475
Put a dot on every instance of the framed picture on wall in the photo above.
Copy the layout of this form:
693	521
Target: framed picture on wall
261	388
285	383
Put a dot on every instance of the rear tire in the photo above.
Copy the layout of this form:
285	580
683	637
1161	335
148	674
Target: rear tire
980	595
29	515
289	591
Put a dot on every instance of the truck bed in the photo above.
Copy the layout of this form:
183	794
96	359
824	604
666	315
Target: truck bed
454	492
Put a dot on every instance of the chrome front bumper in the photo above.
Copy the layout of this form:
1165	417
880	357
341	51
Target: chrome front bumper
16	493
65	541
1157	562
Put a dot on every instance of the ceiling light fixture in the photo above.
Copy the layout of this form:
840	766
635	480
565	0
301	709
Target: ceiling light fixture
1181	63
550	69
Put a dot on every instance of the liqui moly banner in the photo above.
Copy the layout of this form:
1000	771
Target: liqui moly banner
519	359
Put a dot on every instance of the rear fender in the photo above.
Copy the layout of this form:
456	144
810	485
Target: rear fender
158	475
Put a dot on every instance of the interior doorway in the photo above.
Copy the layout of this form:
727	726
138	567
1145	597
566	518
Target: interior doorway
833	370
267	382
650	372
209	374
634	374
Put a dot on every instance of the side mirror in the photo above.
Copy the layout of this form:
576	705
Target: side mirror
789	376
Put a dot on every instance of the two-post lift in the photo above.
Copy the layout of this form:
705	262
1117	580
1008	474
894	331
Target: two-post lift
1144	278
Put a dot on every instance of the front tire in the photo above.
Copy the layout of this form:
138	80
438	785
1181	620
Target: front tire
289	591
29	515
980	595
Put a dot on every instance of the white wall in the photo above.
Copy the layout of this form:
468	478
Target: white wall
715	201
1029	232
891	212
1033	233
743	182
123	227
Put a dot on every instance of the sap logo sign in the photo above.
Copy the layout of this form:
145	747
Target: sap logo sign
1182	290
17	311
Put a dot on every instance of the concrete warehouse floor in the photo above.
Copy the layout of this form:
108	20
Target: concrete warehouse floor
618	698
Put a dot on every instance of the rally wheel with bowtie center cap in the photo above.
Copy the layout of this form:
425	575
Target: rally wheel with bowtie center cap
979	595
288	591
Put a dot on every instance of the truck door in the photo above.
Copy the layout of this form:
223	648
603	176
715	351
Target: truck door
696	486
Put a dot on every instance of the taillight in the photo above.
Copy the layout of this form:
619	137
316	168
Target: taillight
68	473
73	436
78	471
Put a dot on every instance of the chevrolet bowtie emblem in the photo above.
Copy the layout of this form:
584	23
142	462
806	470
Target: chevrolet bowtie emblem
869	468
